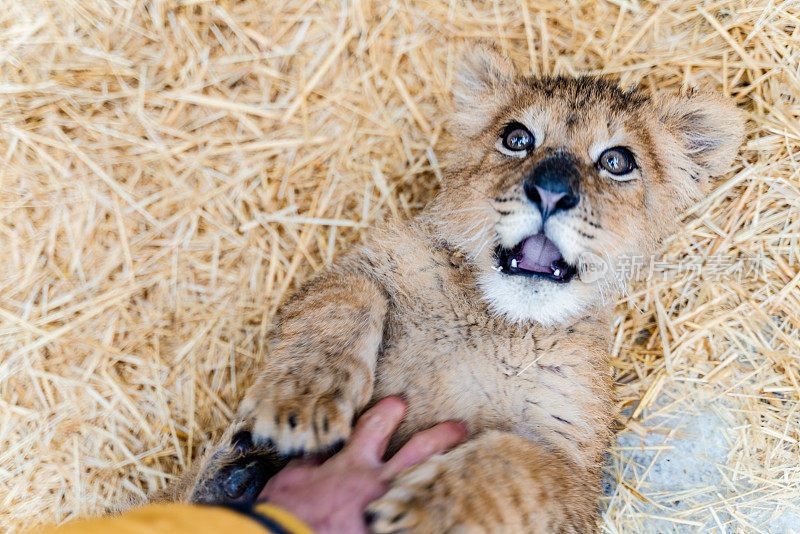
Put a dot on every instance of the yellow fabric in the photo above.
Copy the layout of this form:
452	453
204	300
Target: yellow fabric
286	520
180	519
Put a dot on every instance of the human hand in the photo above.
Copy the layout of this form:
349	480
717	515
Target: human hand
330	496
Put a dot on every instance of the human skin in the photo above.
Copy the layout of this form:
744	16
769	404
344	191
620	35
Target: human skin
331	495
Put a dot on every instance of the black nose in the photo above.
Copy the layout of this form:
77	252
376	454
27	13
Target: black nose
554	184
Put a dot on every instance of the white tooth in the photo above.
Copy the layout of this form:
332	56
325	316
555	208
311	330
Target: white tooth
557	272
514	264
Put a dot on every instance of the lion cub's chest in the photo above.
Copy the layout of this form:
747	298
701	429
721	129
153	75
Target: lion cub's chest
467	368
449	358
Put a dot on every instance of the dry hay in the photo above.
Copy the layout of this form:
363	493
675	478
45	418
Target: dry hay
172	169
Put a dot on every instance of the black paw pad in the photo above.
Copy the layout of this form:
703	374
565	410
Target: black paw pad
241	479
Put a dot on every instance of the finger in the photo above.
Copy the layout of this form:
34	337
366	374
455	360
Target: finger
425	444
373	430
312	460
304	461
297	468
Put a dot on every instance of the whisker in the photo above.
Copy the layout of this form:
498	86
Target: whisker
462	210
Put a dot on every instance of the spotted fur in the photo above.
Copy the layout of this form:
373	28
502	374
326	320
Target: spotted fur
420	310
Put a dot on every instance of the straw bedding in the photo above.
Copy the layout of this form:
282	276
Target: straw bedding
171	170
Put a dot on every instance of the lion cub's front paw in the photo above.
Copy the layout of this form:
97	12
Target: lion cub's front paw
301	412
418	500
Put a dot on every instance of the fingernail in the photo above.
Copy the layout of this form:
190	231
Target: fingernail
462	427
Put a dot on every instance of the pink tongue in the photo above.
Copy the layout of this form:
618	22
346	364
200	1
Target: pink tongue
538	253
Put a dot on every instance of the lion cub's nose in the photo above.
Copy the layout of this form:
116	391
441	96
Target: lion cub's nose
553	185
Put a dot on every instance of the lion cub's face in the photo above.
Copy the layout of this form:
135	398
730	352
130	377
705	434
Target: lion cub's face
556	181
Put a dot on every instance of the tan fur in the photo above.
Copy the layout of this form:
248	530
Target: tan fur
419	311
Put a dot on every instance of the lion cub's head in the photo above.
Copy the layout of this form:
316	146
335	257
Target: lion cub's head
556	180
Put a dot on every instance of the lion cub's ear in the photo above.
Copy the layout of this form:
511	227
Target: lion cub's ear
482	86
708	130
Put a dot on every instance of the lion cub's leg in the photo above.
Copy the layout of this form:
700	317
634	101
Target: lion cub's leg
498	482
321	372
233	471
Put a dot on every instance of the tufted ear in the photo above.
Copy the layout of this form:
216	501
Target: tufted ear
481	87
708	130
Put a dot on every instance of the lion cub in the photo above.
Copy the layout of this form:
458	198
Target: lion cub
480	308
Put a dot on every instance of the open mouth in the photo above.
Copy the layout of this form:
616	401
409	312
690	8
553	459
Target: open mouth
535	256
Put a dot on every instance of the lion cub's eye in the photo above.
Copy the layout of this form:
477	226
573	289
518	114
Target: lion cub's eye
517	138
618	161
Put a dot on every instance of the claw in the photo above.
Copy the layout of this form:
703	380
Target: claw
370	517
242	441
